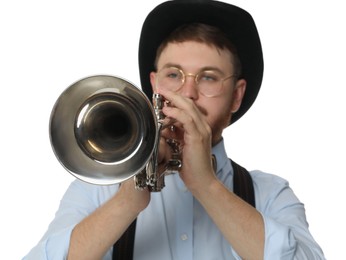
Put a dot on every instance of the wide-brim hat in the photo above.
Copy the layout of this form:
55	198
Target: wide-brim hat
236	23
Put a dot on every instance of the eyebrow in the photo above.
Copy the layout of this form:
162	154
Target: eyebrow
206	68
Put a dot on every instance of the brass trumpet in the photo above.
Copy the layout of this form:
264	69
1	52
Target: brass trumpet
104	130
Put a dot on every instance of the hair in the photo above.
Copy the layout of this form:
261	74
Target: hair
202	33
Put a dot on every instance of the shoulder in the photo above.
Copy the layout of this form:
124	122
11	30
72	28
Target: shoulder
272	192
264	178
268	183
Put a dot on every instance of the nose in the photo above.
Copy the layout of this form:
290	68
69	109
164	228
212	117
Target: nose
190	88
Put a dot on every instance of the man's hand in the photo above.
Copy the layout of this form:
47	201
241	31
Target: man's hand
194	135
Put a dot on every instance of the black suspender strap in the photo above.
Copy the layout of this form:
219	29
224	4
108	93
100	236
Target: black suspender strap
123	248
242	186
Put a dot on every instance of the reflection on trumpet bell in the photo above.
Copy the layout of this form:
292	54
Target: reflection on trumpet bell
105	122
104	130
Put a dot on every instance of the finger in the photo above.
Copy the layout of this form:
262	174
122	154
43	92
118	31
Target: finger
178	101
164	151
196	130
191	120
190	112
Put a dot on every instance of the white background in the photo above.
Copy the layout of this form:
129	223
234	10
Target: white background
296	129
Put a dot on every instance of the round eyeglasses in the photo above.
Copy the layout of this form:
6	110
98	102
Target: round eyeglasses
208	82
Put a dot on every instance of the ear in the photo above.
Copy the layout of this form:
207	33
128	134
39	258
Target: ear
153	81
238	94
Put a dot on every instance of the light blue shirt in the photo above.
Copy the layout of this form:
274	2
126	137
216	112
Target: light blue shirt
176	227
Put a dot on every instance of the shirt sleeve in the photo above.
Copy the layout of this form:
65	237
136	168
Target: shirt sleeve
53	247
287	234
79	201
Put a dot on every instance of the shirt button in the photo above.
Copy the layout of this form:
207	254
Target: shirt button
184	237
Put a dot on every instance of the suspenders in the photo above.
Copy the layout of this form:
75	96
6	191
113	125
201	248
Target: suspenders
123	248
242	186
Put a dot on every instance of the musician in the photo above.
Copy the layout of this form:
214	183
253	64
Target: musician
205	58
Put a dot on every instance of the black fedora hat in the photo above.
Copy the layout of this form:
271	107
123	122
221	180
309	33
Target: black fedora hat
235	22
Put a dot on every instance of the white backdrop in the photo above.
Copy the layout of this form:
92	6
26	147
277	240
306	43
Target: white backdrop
296	129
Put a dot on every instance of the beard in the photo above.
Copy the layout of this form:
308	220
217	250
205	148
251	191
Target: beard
217	127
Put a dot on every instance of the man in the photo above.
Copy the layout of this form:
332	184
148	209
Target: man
205	58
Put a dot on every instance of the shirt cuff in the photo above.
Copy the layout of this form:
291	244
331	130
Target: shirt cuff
57	245
280	242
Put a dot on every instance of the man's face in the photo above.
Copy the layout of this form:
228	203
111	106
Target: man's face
192	58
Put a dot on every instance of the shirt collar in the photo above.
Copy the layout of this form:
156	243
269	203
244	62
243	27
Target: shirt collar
220	154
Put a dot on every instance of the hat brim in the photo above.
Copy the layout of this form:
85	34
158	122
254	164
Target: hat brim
236	23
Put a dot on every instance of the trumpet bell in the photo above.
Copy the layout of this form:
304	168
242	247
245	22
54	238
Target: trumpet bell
103	129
